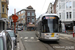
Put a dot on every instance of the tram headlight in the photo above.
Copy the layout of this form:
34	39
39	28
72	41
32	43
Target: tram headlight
46	34
57	34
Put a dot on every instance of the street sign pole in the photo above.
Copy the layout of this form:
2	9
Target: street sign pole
15	18
14	27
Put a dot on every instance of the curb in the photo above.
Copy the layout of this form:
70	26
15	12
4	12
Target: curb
20	44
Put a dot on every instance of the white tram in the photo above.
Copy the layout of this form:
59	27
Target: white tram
47	27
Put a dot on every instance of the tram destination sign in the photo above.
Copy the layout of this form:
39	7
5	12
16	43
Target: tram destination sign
49	17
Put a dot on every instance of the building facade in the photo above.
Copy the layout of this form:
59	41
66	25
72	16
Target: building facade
65	9
26	18
3	14
50	8
66	12
21	18
30	18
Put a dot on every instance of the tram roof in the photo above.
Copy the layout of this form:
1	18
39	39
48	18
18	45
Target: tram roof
40	17
48	14
45	15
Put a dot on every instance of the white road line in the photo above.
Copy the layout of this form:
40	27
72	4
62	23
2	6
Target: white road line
32	38
21	37
18	47
37	40
26	38
36	37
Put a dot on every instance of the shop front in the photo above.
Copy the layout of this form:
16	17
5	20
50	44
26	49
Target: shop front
30	27
68	26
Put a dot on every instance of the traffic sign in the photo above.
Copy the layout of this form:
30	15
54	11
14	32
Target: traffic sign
15	18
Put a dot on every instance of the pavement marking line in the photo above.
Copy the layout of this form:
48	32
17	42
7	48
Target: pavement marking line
26	38
32	38
37	40
21	37
18	46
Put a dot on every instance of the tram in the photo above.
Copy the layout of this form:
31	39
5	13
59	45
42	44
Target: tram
47	27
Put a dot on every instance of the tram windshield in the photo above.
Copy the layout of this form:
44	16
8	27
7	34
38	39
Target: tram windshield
49	25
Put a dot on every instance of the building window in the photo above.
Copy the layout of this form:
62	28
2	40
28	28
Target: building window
69	4
70	14
28	20
32	19
19	17
28	14
3	8
67	14
61	5
60	15
32	14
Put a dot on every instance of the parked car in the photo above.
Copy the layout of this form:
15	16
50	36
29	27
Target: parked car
5	41
13	36
19	29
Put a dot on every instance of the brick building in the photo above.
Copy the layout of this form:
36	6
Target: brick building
30	18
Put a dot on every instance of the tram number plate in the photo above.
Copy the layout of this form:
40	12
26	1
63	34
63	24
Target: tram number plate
52	35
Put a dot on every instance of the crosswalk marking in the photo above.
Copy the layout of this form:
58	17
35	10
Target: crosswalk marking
36	37
31	40
32	37
21	37
37	40
26	38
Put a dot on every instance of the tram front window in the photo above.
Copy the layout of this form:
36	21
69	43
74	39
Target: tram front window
50	25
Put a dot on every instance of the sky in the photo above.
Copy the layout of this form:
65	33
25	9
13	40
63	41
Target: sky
40	6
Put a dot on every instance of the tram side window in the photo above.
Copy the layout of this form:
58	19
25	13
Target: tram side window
45	27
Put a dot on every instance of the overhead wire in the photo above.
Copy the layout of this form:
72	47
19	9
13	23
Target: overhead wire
43	5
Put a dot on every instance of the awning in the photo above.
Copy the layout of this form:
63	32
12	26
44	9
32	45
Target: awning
30	25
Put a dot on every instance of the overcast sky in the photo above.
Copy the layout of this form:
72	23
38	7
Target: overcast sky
38	5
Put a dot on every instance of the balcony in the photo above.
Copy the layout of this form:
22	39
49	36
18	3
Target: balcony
4	15
5	1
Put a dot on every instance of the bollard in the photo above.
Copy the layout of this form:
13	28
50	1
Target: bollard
73	34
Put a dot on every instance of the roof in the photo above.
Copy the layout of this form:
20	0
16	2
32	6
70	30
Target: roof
40	17
30	7
46	14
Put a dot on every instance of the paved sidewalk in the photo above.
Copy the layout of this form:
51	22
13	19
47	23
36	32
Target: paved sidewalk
19	44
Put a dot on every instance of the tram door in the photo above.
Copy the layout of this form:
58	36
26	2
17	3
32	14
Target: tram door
40	27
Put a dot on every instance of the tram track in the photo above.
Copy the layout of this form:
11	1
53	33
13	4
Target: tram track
56	46
68	39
